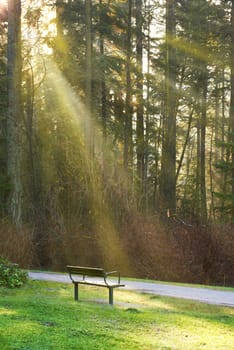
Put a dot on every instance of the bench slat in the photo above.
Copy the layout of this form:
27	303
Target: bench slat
86	271
90	283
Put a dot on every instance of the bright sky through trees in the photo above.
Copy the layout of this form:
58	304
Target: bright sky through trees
3	7
37	25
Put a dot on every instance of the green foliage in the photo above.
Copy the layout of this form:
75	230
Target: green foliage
10	275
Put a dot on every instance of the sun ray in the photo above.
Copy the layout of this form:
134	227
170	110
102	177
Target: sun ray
106	233
195	50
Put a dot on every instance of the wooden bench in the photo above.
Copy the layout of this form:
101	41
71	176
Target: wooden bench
79	274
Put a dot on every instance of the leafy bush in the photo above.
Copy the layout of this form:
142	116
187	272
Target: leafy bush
10	274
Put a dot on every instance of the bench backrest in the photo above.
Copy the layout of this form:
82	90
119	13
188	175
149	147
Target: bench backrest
86	271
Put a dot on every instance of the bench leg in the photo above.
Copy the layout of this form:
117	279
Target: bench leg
76	291
110	296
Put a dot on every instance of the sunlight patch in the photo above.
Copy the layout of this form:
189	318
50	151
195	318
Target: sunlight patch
7	312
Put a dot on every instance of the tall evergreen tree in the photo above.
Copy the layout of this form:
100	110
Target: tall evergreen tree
128	148
15	110
4	183
232	112
139	94
168	163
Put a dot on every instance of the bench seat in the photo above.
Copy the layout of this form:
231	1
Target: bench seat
79	274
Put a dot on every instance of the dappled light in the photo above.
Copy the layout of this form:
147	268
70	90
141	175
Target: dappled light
7	312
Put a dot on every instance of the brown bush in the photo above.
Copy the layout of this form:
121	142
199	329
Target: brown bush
16	244
174	251
146	247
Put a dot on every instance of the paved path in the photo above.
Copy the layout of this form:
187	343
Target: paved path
209	296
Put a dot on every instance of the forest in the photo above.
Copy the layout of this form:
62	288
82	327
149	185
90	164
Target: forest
117	136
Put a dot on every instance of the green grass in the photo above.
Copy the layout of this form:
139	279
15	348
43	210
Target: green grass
44	316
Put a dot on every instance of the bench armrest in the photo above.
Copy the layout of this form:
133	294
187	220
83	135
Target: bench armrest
112	273
70	275
74	280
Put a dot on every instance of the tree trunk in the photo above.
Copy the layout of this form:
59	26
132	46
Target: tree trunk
147	117
128	149
203	147
88	76
103	80
15	110
168	167
185	143
4	190
197	193
232	109
139	94
223	155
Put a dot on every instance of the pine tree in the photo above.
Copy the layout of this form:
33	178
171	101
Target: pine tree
15	110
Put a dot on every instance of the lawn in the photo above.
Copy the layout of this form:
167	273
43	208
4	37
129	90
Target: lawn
44	316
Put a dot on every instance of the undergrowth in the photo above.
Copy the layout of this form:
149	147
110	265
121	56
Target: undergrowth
142	247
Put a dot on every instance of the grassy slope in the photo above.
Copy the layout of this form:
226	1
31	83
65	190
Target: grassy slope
44	316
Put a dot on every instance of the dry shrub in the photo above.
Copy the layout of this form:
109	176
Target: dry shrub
168	251
152	250
69	244
223	267
70	248
207	253
16	244
174	251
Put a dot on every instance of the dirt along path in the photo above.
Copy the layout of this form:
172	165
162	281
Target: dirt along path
206	295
